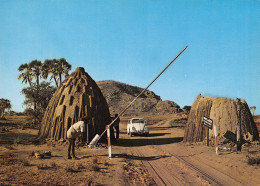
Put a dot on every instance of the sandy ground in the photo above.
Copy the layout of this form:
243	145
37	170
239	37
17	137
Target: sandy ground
159	159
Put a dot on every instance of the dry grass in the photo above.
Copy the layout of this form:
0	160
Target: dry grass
95	160
53	164
79	166
106	163
24	162
42	166
20	120
72	168
75	167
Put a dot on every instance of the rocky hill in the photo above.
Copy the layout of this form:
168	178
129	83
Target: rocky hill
119	95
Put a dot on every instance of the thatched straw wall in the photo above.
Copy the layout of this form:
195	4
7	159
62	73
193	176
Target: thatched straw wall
223	113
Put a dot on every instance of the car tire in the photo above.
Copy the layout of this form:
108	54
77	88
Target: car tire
130	133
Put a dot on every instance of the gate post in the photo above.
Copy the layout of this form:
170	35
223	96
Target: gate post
109	142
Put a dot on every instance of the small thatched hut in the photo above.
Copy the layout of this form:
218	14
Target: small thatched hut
223	112
78	96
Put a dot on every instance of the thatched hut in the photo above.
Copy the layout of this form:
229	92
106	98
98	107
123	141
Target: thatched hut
78	96
223	112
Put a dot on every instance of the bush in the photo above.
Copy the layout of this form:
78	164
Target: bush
72	168
253	160
95	160
42	166
53	164
79	166
24	162
95	168
106	163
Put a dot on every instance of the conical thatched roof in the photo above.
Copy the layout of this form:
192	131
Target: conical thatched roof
223	113
78	96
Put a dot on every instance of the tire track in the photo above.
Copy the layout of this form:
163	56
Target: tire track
160	173
212	175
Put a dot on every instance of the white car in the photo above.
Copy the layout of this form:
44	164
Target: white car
137	126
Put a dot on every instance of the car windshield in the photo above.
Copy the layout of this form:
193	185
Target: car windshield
138	121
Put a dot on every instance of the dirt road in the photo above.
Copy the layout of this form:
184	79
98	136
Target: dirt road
159	159
170	162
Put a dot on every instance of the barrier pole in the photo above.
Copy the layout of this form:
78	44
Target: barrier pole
108	142
216	138
97	137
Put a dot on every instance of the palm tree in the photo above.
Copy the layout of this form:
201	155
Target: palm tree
46	68
58	69
63	68
53	66
26	74
36	67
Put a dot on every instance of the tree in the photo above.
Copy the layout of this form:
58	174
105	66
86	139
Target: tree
63	68
36	67
39	95
51	67
187	108
46	68
253	108
57	68
26	73
4	104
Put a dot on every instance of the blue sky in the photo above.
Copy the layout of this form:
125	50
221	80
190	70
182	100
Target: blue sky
132	41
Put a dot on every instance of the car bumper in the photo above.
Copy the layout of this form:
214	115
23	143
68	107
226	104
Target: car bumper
140	132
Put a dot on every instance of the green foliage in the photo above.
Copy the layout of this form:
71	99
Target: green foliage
4	104
36	67
26	73
38	95
57	68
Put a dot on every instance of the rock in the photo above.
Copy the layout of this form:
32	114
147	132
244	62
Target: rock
119	95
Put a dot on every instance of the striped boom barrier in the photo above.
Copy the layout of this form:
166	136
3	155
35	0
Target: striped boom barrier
97	137
108	142
216	139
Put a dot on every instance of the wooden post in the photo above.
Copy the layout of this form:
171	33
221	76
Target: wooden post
87	134
207	136
238	103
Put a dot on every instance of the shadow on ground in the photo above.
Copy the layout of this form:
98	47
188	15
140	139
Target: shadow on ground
134	142
133	157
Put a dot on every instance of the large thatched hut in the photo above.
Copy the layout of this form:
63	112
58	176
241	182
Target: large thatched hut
78	96
223	112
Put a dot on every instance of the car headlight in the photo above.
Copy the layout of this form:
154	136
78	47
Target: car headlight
146	129
133	128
